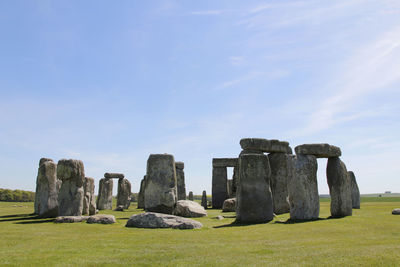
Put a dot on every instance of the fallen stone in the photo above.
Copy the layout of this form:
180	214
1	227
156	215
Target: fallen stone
124	193
180	180
396	212
204	199
104	198
70	219
319	150
110	175
229	205
265	145
159	220
189	209
219	187
355	192
119	208
279	176
225	162
102	218
89	199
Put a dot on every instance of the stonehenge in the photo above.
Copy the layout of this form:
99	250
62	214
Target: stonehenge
220	180
204	199
190	196
180	180
355	192
104	198
124	193
89	199
279	175
140	204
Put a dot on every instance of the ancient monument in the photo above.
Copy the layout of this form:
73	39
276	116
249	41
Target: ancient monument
355	192
104	198
220	180
89	199
204	199
140	204
190	196
180	180
124	193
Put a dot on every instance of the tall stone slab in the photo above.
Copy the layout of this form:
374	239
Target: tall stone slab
303	187
230	189
254	197
47	187
235	178
124	193
70	198
219	187
180	180
339	188
89	199
104	198
355	192
140	204
160	194
204	199
279	175
191	196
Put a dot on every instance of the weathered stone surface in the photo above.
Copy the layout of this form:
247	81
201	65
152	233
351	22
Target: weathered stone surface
265	145
47	187
319	150
104	198
159	220
219	187
102	218
140	204
190	209
160	194
339	188
124	193
279	175
191	198
355	192
180	180
396	212
204	199
235	178
225	162
111	175
229	205
89	199
70	219
43	160
302	187
229	186
253	196
70	198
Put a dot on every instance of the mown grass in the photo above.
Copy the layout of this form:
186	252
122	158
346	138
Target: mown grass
371	237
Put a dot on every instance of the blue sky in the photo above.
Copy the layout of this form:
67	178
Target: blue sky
111	83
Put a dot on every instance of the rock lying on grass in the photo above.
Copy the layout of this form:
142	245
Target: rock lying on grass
190	209
229	205
102	218
160	220
70	219
396	212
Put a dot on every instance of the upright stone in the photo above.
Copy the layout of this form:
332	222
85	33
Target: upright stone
355	192
279	176
140	204
124	193
104	198
47	186
180	180
229	185
89	200
219	187
70	198
254	197
235	178
302	187
160	194
204	199
339	188
191	195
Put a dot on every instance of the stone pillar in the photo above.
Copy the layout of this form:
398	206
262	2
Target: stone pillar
140	204
160	194
355	192
191	196
47	187
180	180
235	178
89	199
339	188
254	197
104	198
124	193
303	187
279	176
204	199
229	186
70	198
219	187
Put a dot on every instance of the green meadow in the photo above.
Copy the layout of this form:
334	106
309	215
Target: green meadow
371	237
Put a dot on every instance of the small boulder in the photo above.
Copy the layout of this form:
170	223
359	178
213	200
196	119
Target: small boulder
119	208
229	205
396	212
102	218
160	220
190	209
70	219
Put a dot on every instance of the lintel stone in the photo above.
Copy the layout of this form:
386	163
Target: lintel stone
110	175
225	162
319	150
265	145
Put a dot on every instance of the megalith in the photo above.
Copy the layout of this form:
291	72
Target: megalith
253	196
89	199
235	178
230	189
140	204
339	188
204	199
124	193
191	195
104	198
279	175
70	198
180	180
47	187
219	186
302	187
355	192
160	194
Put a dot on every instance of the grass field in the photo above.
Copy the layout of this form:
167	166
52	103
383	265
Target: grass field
371	237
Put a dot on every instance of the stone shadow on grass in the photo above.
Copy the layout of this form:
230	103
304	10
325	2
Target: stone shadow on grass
291	221
35	222
235	224
18	217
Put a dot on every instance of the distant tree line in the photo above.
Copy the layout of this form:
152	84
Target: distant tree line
16	195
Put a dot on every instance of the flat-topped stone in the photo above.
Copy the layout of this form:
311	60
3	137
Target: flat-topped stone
319	150
265	145
102	218
160	220
111	175
225	162
179	165
70	219
189	209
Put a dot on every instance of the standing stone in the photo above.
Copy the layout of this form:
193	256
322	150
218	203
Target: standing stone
70	198
355	192
219	187
46	197
89	200
160	194
180	180
229	186
302	187
104	198
204	199
124	193
140	204
339	188
191	195
254	197
235	178
279	175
